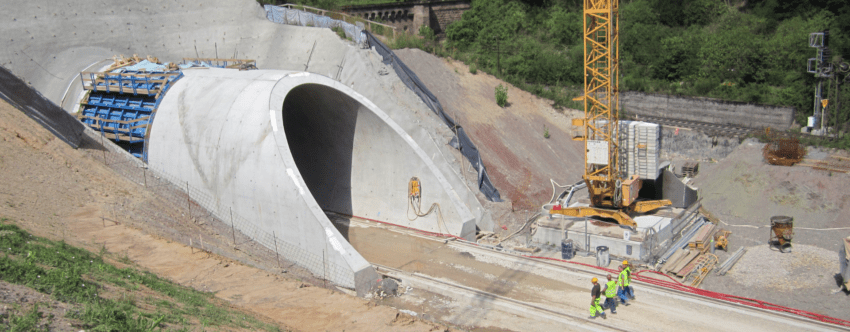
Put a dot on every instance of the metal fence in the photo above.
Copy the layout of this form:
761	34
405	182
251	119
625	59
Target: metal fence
213	226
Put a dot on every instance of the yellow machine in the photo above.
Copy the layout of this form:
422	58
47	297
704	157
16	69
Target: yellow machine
611	196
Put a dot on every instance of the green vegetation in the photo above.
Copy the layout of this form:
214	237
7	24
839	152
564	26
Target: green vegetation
340	32
473	69
81	278
749	52
27	322
335	4
545	131
501	95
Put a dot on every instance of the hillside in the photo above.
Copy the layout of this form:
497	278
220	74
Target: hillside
62	194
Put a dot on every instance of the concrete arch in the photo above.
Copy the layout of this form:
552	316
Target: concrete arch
283	147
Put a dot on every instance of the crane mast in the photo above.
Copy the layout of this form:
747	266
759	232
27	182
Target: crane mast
611	194
601	102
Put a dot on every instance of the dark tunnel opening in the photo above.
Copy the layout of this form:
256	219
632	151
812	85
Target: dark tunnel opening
320	123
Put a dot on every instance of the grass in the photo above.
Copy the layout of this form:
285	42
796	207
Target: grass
79	277
28	321
340	32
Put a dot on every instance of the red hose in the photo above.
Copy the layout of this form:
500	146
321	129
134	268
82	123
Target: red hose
674	284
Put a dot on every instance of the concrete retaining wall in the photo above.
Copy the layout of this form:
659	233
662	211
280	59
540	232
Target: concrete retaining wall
707	110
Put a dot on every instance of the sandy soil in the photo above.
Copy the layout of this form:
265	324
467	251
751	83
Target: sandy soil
744	192
517	156
61	193
734	181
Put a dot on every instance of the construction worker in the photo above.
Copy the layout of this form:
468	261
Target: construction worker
595	309
610	294
621	290
627	288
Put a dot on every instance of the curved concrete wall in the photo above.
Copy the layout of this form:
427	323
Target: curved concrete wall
280	147
48	43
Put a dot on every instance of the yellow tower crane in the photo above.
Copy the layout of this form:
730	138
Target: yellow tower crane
611	196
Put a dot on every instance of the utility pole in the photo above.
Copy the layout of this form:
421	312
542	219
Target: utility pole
822	68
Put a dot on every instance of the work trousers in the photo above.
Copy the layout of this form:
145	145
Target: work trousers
594	308
611	303
621	293
630	292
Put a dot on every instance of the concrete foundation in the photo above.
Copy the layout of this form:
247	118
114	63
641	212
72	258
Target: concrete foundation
589	233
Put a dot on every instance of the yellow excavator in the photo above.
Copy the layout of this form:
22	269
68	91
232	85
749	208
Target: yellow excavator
612	195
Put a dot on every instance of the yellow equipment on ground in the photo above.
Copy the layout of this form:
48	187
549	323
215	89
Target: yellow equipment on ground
611	196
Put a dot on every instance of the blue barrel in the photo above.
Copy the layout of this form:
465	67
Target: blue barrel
567	249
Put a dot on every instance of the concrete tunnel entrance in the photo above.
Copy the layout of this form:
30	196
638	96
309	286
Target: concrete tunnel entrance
320	125
355	162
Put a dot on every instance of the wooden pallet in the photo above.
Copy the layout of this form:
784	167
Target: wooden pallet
690	169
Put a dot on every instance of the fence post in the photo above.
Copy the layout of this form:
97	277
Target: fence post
276	255
324	270
188	200
101	143
233	229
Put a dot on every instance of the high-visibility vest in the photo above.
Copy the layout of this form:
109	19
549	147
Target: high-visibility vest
628	277
611	289
622	279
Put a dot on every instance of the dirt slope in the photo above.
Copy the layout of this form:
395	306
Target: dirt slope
61	193
517	156
744	192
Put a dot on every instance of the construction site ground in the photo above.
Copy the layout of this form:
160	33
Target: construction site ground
734	182
70	192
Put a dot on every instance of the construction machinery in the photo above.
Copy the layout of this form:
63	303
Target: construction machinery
613	195
781	232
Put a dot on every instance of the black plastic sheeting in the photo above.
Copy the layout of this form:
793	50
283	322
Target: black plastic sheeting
461	141
17	93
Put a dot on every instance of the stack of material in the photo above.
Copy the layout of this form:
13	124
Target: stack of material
701	267
702	240
679	261
648	150
730	262
640	148
628	146
690	169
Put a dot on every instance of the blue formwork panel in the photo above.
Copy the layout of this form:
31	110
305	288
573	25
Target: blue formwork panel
119	110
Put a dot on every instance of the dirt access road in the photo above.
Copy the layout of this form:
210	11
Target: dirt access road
61	193
741	188
552	287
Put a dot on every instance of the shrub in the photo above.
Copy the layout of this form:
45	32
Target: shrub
501	95
405	40
378	29
473	69
339	32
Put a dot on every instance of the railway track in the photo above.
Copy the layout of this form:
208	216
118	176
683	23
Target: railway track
705	127
713	129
